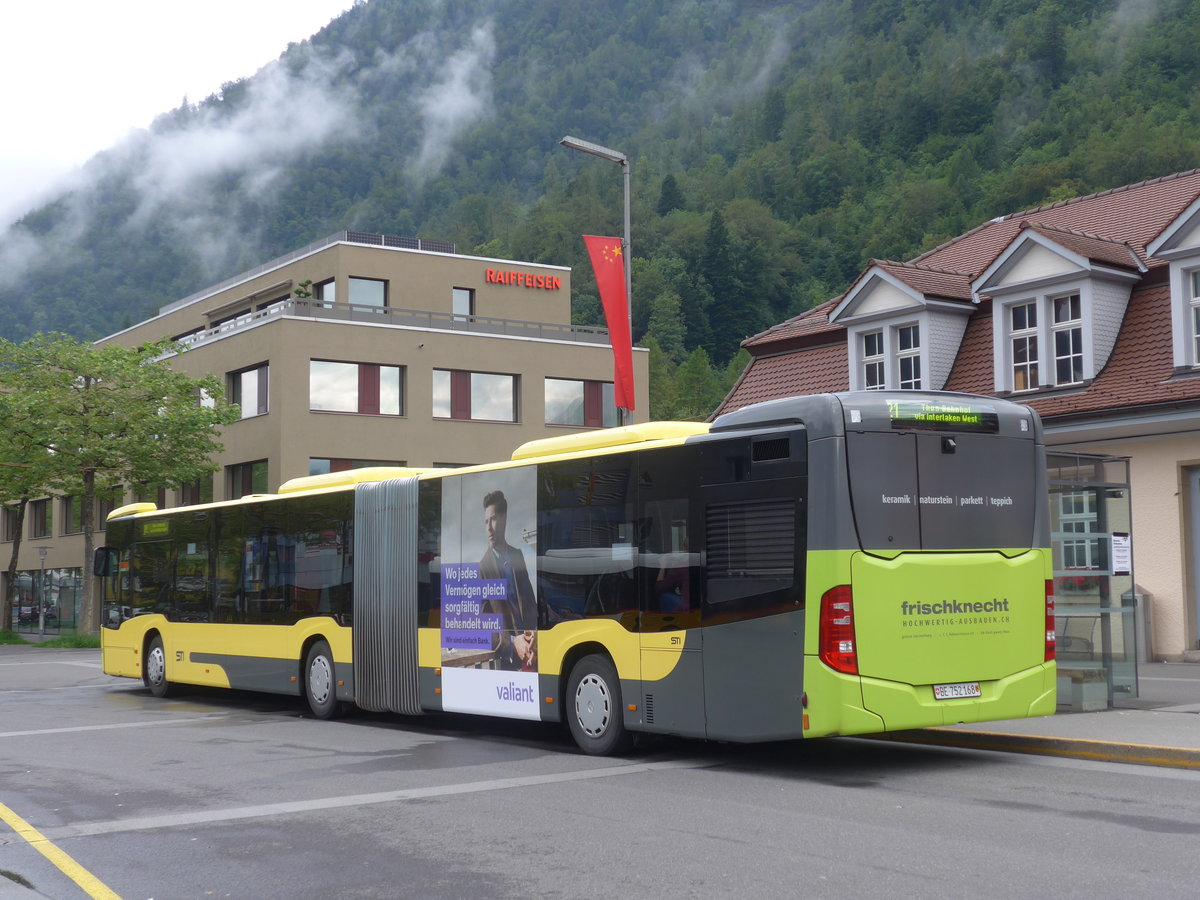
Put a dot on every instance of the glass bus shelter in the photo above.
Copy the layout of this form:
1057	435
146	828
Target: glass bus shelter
1096	605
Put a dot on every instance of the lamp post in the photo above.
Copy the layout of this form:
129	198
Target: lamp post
41	592
574	143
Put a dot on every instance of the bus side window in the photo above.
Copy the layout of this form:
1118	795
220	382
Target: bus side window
587	541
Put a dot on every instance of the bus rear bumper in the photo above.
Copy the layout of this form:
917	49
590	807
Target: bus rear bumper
1030	692
840	704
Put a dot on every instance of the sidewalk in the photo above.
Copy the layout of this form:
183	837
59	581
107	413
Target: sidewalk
1159	728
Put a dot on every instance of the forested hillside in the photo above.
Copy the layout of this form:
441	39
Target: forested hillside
776	148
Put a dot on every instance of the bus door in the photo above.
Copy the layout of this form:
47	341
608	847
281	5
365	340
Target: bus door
669	580
753	519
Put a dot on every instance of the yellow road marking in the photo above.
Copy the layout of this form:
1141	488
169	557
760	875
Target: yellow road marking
92	886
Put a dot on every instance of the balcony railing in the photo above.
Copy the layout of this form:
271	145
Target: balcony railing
410	318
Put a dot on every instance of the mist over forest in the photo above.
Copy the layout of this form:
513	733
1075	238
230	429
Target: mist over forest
776	148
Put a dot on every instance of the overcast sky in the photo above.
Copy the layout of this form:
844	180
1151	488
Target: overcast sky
77	75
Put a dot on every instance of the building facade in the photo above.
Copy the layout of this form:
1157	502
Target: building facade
1089	311
362	349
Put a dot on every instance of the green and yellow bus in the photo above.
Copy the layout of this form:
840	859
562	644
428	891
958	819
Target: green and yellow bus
833	564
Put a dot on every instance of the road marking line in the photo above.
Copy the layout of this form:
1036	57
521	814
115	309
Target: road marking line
91	885
306	806
111	725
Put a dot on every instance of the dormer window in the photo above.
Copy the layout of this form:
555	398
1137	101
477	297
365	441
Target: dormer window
904	324
874	377
890	358
1068	340
1028	333
1058	299
1195	316
908	354
1023	323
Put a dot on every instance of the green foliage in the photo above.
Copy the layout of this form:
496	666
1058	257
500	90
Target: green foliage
775	149
85	418
11	637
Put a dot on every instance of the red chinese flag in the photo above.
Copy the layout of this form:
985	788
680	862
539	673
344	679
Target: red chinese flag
608	261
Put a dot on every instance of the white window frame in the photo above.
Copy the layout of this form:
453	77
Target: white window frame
1025	337
1047	333
1070	328
908	356
878	371
1193	317
874	361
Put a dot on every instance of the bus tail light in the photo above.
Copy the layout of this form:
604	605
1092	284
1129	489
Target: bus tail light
1051	643
835	634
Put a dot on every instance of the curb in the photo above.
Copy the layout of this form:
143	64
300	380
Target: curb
1073	748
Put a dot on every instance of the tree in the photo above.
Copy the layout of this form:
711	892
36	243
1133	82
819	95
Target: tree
96	417
22	476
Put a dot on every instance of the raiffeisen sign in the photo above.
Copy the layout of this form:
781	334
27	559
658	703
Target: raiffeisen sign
537	281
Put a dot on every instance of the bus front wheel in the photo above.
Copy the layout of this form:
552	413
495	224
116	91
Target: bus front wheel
320	682
594	710
154	669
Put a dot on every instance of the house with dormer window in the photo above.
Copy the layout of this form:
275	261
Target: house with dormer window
1088	310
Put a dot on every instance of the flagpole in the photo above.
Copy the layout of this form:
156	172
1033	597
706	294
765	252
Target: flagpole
573	143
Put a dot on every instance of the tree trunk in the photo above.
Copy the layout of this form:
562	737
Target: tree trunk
10	593
90	614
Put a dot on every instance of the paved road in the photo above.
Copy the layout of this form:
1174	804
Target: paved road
222	795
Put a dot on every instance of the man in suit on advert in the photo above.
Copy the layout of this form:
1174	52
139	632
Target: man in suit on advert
517	645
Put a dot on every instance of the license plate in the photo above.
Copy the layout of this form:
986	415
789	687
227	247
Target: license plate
956	691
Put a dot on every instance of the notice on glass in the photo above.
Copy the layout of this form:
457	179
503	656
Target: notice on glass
1122	554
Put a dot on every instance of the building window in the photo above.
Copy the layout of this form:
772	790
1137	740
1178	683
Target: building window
247	478
1023	322
323	466
1044	342
365	388
908	355
41	519
325	291
368	292
480	396
72	515
1077	515
873	362
248	389
146	493
8	525
586	403
462	303
1068	339
199	491
1194	317
106	502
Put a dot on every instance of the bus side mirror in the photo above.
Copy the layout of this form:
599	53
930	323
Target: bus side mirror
104	561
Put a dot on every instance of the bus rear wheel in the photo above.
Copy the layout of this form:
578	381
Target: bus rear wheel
320	681
154	669
594	711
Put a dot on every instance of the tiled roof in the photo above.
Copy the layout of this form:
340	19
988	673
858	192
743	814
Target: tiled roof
814	371
1112	228
939	283
810	322
1092	246
1134	214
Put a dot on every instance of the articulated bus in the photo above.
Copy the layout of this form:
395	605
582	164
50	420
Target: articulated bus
833	564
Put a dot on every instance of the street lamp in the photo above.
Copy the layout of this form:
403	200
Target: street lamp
42	592
574	143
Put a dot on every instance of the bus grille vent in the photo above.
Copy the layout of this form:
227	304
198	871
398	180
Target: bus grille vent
648	709
775	448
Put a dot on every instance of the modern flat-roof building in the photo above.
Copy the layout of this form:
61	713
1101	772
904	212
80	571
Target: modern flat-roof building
367	349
